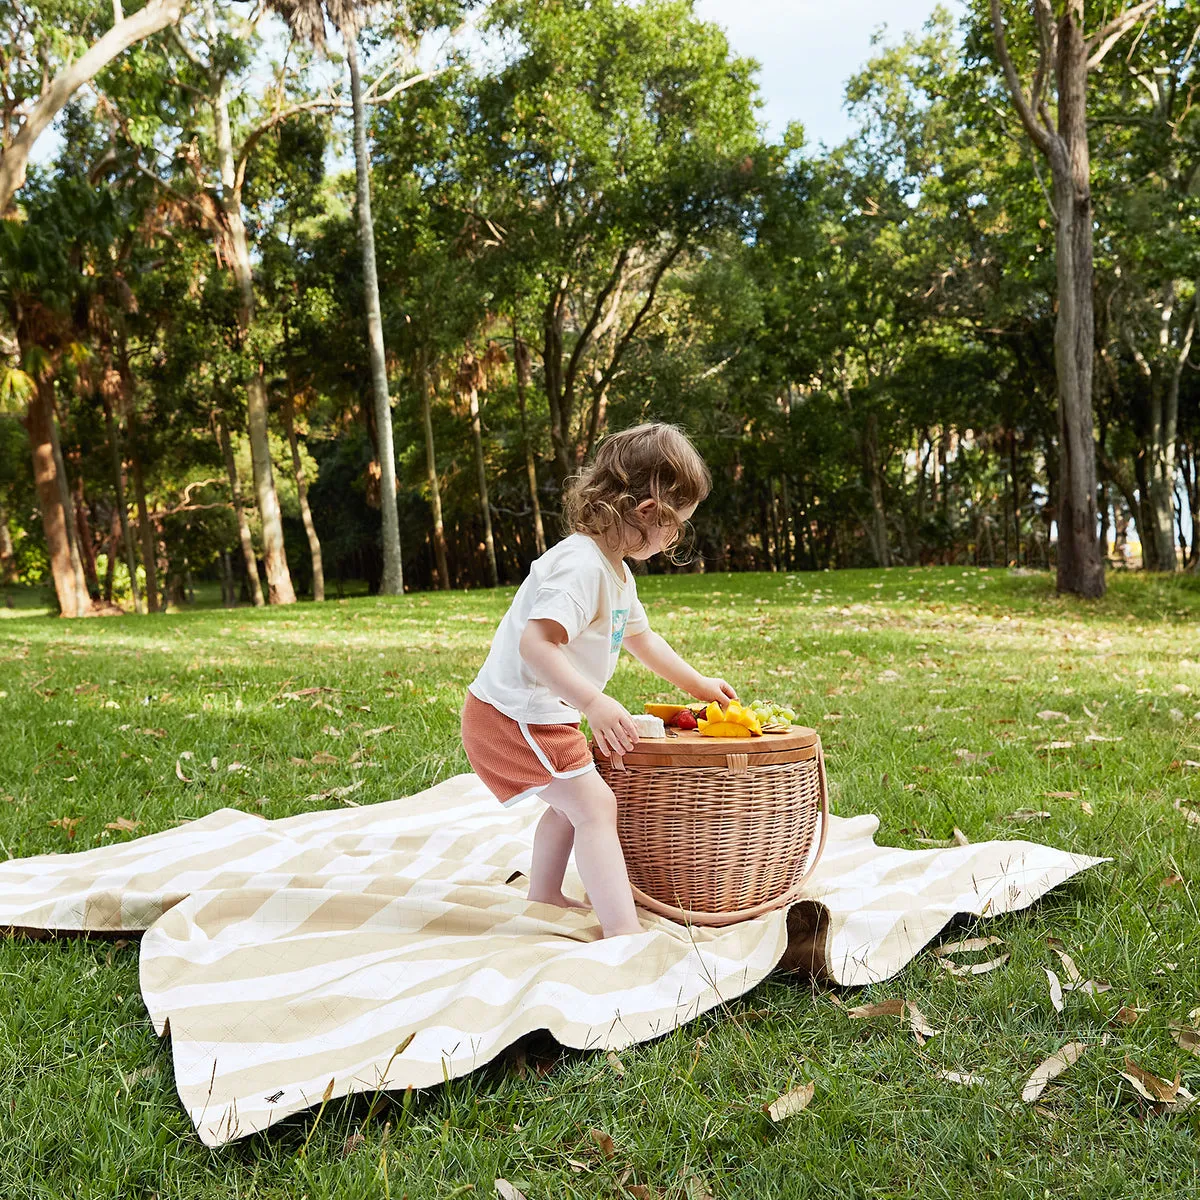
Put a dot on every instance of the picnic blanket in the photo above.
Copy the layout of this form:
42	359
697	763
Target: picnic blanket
287	959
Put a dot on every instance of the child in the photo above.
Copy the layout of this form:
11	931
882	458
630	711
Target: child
556	649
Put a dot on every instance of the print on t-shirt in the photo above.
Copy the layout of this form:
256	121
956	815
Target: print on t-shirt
619	617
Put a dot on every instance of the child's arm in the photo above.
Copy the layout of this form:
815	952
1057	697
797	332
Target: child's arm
541	647
653	651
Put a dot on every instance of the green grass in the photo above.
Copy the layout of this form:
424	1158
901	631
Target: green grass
897	669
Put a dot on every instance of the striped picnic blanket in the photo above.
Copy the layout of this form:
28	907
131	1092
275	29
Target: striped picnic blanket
289	958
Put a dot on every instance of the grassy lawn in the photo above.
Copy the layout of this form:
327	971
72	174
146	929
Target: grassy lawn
926	686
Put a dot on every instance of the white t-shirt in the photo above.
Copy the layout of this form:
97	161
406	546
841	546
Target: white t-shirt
574	584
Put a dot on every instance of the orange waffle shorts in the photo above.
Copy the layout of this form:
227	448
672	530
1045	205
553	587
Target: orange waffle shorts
516	760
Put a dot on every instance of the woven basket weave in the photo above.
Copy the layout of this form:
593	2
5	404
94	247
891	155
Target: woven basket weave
719	830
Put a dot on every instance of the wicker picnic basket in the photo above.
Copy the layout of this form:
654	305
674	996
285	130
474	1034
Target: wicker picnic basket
718	830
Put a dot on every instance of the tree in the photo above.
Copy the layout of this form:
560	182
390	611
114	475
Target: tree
617	138
1147	164
1067	55
30	54
307	19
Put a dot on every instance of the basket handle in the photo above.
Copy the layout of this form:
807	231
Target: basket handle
738	764
816	856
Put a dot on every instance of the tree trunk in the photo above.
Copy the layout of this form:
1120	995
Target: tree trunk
149	553
114	544
1190	462
1144	515
314	543
235	490
39	422
392	583
485	508
122	513
279	580
84	600
1080	563
83	532
8	556
521	359
435	495
871	468
1162	467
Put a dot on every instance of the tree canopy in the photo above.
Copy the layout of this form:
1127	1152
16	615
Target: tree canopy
576	223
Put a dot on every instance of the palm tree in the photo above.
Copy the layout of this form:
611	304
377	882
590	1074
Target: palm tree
306	19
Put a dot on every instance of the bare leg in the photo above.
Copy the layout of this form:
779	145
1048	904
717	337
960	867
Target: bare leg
590	806
551	850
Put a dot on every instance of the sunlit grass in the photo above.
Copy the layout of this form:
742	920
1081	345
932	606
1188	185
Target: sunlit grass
926	685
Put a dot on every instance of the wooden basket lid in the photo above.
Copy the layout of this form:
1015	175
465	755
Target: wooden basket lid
689	745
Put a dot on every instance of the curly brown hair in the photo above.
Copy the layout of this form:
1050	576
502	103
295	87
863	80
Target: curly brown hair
655	462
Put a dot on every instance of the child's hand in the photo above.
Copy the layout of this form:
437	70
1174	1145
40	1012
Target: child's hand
612	726
709	687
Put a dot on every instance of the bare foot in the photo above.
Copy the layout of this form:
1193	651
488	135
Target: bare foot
559	900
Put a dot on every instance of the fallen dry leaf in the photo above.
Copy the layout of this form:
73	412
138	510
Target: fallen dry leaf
1068	962
180	775
790	1103
1060	795
960	837
884	1008
617	1065
1086	809
961	1077
969	756
1056	745
379	730
697	1189
919	1025
1192	815
1056	997
1149	1086
1027	814
966	947
1126	1015
324	758
66	824
506	1191
897	1008
1187	1039
1056	1064
605	1143
1049	714
1171	881
1099	737
975	968
123	825
337	793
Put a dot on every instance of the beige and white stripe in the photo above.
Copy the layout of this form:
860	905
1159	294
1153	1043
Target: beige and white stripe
286	954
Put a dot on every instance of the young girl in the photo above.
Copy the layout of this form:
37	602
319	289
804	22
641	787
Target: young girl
556	649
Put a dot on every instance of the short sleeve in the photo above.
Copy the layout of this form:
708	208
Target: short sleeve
638	622
556	604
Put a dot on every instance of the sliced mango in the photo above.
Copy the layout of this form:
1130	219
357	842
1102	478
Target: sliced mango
735	721
666	711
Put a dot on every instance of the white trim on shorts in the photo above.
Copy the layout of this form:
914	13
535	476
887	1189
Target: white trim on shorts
541	755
